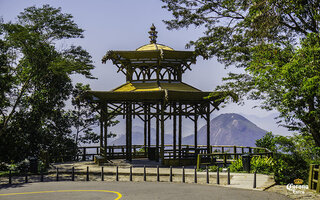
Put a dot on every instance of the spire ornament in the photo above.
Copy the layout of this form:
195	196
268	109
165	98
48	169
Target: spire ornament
153	34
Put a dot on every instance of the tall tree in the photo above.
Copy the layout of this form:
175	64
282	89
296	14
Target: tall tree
32	104
266	38
84	117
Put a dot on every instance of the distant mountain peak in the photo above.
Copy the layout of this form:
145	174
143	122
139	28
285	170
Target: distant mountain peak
229	129
225	129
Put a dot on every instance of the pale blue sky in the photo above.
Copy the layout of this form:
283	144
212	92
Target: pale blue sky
123	25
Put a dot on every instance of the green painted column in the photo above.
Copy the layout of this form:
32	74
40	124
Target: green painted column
162	133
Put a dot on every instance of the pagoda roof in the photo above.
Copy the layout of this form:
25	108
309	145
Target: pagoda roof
174	91
159	95
161	55
152	47
155	86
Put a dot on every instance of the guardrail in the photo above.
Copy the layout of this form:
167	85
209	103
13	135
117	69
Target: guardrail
126	174
314	178
223	158
113	152
217	153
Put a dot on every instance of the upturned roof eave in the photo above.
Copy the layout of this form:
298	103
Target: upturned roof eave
151	54
161	95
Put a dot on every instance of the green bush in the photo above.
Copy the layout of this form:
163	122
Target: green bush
13	167
214	168
292	156
236	166
3	166
289	167
260	164
263	165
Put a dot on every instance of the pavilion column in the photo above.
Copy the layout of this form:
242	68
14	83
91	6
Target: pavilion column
157	133
105	119
180	130
101	132
149	127
208	128
128	133
174	131
145	129
195	130
162	133
127	130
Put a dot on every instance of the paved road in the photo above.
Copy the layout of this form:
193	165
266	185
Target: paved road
129	191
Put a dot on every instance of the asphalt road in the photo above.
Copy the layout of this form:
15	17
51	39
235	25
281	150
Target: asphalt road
96	190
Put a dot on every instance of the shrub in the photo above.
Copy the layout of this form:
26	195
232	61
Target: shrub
263	165
292	155
289	167
236	166
214	168
3	166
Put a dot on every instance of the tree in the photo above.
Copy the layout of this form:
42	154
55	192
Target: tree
276	42
288	79
84	117
38	82
292	155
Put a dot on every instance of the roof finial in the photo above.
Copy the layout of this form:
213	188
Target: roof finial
153	34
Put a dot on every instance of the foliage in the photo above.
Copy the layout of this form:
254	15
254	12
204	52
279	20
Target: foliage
288	79
236	165
37	83
292	156
233	27
267	142
259	164
214	168
276	42
262	164
84	117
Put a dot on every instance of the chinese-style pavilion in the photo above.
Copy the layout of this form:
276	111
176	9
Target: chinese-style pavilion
154	90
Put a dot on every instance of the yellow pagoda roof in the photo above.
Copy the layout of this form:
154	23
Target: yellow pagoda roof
155	86
152	47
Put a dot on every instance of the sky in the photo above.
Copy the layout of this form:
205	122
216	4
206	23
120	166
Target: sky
124	25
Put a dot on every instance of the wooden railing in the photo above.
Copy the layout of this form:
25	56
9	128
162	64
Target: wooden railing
314	178
223	158
113	152
222	153
83	153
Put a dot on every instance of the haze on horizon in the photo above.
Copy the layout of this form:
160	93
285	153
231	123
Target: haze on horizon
124	25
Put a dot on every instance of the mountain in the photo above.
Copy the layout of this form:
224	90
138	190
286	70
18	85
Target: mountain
225	129
228	129
138	137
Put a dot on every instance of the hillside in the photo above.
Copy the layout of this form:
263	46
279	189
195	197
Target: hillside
226	129
138	137
229	129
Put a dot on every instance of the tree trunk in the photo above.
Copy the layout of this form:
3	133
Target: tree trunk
6	121
316	135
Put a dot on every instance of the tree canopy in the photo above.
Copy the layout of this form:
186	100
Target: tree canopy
84	117
35	82
276	42
292	155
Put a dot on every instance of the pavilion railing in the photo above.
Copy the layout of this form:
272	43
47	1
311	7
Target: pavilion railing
314	177
218	153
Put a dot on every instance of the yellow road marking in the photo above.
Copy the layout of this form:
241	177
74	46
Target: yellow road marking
41	192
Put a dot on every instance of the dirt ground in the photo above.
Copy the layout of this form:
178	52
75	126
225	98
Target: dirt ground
303	194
